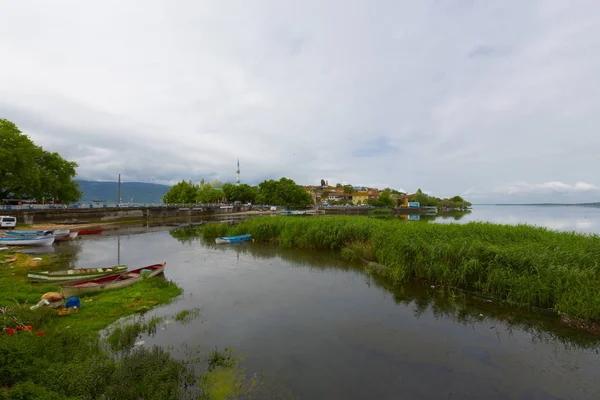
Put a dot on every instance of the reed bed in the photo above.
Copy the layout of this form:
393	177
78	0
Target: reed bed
520	264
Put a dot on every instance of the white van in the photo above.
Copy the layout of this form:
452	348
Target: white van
7	222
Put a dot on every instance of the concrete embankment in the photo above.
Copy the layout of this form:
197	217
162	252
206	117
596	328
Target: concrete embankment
72	216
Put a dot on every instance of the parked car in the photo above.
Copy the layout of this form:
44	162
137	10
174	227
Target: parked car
7	221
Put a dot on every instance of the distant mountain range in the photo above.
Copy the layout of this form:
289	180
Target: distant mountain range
140	192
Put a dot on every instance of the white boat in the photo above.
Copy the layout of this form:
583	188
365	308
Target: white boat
26	241
73	235
61	234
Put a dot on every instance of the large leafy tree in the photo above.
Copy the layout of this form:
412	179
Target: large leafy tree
206	194
284	192
384	199
243	193
29	172
184	192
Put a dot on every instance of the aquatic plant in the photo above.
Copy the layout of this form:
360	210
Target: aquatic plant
520	264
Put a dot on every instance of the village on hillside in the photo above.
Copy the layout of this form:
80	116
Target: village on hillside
326	195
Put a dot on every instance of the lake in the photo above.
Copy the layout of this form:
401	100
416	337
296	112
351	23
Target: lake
581	219
320	328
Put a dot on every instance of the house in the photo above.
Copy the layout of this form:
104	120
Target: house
373	194
360	197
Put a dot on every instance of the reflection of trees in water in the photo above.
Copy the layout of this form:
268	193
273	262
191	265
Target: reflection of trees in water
455	305
186	234
66	255
464	308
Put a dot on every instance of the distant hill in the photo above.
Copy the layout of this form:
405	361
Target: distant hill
140	192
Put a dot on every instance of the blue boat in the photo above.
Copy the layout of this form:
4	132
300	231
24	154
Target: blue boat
286	212
233	239
26	233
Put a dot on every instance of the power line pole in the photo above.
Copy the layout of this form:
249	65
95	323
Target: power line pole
119	192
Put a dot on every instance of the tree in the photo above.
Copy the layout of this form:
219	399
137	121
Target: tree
348	189
338	185
206	194
184	192
243	193
28	171
283	192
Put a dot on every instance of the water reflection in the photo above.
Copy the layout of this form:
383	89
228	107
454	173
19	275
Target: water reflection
324	328
581	219
454	305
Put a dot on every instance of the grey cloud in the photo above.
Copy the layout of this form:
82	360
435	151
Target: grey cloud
442	91
486	51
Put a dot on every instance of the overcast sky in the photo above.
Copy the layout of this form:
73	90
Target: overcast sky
495	100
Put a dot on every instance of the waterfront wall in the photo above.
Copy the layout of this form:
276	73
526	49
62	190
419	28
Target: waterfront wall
110	214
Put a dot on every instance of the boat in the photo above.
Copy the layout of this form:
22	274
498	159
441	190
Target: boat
61	234
73	235
75	274
89	231
27	240
286	212
27	233
233	239
110	282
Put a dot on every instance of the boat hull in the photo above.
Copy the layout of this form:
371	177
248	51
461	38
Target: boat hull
27	241
75	275
61	237
89	231
232	239
110	282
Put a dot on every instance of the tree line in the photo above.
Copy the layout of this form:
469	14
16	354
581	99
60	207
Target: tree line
27	171
284	192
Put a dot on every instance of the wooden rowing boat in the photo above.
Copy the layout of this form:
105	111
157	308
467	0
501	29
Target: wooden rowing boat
74	275
89	231
27	241
233	239
111	282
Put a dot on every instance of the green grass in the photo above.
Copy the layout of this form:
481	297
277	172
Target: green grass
520	264
71	361
97	311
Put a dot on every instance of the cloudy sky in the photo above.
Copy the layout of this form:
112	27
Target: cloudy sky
495	100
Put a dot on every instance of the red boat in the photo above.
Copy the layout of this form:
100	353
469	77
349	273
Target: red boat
116	281
88	231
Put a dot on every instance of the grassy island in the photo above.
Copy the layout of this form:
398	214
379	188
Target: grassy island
520	264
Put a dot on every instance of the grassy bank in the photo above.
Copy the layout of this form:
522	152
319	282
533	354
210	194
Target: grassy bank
520	264
63	357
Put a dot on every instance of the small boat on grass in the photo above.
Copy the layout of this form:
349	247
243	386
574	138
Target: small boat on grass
233	239
117	281
75	274
27	240
91	231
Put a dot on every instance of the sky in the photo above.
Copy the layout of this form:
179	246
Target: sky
498	101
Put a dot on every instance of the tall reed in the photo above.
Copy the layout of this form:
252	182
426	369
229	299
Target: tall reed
521	264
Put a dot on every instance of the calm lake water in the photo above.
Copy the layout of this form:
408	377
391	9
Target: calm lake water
563	218
320	328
